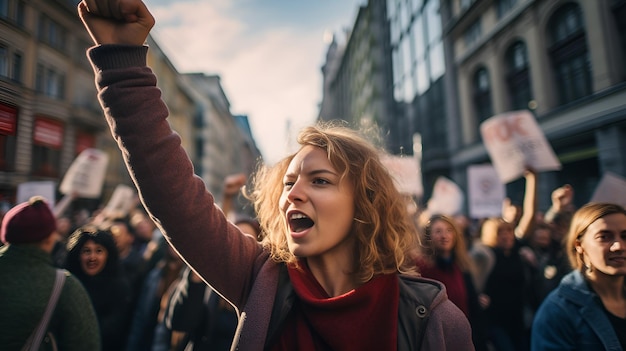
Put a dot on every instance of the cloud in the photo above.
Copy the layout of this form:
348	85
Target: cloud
270	71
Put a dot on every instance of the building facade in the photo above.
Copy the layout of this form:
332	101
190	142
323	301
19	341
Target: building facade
49	111
563	60
48	107
458	62
418	85
357	78
223	142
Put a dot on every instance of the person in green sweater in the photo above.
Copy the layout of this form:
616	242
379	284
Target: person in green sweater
27	276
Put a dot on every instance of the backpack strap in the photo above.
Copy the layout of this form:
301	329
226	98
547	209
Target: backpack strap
34	340
283	302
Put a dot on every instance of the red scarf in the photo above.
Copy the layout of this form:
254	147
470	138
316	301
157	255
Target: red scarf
365	318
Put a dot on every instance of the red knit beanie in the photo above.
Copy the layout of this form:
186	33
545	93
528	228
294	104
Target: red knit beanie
28	222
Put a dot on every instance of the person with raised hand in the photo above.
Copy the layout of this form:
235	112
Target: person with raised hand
333	270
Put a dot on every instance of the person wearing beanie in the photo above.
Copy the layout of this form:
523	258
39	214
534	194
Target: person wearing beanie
27	276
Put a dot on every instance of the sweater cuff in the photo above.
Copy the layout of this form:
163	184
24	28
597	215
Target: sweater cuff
110	56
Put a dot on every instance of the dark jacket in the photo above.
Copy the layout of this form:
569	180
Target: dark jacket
208	320
572	317
180	204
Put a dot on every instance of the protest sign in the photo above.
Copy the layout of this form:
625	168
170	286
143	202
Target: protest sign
485	191
447	198
121	202
612	189
45	189
515	142
86	174
406	174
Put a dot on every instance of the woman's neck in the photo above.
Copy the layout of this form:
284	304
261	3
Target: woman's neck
611	290
336	279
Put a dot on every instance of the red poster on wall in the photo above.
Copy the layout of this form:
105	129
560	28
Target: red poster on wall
48	132
8	119
84	141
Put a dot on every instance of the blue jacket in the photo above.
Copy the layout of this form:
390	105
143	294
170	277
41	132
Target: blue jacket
572	318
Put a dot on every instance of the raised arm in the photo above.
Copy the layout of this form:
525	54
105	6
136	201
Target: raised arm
529	209
232	186
125	22
175	198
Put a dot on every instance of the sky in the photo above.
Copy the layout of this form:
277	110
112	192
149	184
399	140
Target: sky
268	54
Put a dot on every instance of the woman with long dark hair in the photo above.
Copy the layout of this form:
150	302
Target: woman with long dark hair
93	258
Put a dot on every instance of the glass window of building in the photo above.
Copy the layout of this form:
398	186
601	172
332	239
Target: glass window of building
10	64
4	61
4	8
466	4
518	76
13	11
391	9
50	82
472	33
435	45
419	45
504	6
18	66
407	65
482	95
569	54
619	13
397	74
416	5
51	32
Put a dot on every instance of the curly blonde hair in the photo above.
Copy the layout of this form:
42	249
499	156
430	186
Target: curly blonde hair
385	235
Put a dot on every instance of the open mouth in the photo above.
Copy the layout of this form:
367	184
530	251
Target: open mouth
299	222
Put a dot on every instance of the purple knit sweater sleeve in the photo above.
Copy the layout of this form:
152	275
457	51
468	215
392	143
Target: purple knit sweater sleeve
163	174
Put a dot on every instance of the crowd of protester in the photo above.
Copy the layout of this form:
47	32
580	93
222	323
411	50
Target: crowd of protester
498	271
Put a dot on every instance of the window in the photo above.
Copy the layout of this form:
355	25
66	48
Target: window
466	4
518	76
13	11
50	82
482	95
51	33
4	8
4	61
10	64
569	54
619	13
429	59
435	45
504	6
18	66
472	34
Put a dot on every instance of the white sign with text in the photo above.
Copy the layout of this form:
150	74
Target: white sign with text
447	198
45	189
406	173
515	142
485	191
85	176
